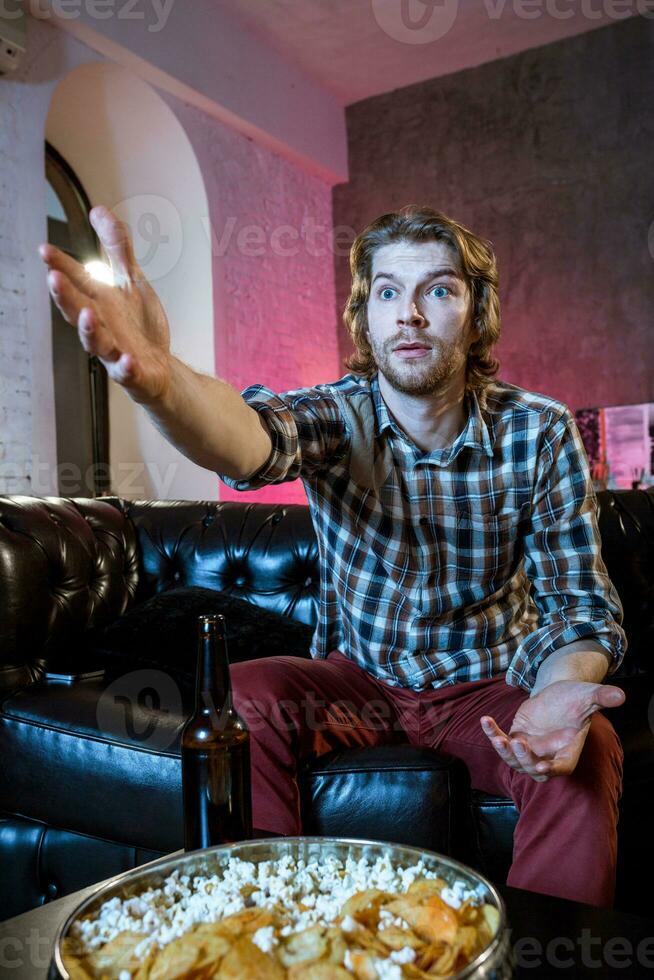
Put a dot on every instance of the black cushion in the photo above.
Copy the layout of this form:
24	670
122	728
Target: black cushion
162	631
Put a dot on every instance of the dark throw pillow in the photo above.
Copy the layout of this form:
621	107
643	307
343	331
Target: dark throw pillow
162	631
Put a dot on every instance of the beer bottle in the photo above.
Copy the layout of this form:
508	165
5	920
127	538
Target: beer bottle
215	751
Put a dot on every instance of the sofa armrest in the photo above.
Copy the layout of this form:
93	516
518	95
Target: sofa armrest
399	793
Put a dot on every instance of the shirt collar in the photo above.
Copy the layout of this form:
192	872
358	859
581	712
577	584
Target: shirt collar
475	433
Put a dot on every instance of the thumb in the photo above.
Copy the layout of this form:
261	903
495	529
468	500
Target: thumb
608	696
115	237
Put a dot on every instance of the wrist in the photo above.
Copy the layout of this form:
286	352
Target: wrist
582	660
161	391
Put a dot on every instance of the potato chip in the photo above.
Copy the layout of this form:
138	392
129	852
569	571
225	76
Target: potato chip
337	945
116	955
431	921
396	938
176	960
247	921
370	897
491	916
303	947
363	965
78	968
213	946
319	971
245	961
422	888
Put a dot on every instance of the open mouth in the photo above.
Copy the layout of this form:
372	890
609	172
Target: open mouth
412	350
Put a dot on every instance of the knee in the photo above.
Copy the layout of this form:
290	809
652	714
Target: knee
602	754
602	741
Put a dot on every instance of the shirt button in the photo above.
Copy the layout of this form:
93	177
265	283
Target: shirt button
424	520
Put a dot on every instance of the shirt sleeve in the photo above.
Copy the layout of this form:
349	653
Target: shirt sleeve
306	429
571	587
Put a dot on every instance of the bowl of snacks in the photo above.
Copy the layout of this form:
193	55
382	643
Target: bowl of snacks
289	908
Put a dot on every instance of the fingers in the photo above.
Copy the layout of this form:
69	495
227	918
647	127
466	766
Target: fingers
95	337
75	308
516	752
566	760
57	260
67	298
115	238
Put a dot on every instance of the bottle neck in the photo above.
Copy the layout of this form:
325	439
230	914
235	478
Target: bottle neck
213	689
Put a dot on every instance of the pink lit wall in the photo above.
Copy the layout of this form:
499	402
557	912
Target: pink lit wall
549	154
275	315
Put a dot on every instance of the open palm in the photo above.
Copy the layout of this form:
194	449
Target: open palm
124	324
549	729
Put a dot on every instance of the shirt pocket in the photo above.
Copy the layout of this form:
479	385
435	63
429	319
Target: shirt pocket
481	550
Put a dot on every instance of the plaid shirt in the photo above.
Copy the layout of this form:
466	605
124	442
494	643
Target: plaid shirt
446	566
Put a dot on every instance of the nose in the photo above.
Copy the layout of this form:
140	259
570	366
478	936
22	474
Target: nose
412	316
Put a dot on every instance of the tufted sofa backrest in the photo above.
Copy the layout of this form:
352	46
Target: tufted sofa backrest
266	553
67	565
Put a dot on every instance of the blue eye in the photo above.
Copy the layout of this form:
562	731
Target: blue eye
385	289
441	287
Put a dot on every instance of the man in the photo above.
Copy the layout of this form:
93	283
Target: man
464	603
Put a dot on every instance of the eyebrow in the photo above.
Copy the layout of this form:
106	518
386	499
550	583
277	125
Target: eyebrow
445	270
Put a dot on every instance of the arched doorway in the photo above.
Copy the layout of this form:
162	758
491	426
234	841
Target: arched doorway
80	381
132	154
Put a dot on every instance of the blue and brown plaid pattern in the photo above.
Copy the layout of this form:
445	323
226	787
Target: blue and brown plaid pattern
454	565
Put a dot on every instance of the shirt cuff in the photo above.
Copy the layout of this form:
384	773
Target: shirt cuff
537	646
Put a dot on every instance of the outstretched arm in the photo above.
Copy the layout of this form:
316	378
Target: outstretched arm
125	326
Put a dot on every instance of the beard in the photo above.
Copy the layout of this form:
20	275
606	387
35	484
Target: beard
421	375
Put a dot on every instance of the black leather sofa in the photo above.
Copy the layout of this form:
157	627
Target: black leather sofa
83	797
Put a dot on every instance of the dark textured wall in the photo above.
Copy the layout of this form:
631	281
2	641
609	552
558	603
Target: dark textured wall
550	155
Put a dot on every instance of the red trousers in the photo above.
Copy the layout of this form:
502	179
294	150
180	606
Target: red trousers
565	841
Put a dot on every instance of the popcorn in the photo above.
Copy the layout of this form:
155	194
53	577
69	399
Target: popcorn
307	893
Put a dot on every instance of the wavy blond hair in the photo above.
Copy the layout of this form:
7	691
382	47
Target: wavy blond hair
420	224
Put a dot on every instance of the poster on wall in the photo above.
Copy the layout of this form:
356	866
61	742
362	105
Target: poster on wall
619	443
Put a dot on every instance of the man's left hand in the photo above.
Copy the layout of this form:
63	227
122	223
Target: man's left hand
549	729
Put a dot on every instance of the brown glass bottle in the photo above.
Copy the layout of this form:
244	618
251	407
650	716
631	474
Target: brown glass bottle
215	751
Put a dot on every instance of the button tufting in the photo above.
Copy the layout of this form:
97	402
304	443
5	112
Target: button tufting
51	890
176	576
277	518
307	582
209	519
240	581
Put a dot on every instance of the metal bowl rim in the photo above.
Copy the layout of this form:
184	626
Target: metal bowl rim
156	867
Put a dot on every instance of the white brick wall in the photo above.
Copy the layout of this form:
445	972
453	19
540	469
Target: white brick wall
15	360
275	319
